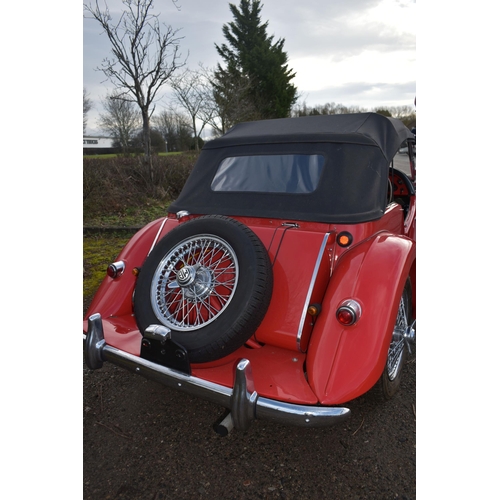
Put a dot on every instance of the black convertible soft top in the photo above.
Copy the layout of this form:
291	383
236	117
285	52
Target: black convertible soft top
355	151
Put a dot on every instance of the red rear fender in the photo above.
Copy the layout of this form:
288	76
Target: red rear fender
344	362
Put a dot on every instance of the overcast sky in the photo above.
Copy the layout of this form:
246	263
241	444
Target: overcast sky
351	52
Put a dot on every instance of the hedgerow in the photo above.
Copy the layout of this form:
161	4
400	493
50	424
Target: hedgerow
115	185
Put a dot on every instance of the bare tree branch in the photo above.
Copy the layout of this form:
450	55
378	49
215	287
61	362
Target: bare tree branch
121	119
144	56
189	92
87	106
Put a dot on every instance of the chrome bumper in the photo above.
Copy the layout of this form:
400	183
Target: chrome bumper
242	400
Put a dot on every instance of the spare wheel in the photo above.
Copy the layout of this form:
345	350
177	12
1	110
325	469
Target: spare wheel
210	281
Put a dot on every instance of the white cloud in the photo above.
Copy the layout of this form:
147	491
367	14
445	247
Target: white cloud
318	73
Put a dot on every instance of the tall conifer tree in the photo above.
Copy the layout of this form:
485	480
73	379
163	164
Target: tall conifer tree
256	74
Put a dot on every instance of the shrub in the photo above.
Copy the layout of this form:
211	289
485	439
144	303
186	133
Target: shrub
112	185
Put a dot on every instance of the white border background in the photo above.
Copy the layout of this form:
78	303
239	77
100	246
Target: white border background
457	269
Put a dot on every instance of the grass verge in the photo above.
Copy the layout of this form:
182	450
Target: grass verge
131	216
98	252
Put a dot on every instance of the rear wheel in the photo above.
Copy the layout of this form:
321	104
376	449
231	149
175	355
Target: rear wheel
398	351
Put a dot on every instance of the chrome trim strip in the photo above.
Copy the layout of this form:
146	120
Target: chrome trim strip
310	291
158	234
243	401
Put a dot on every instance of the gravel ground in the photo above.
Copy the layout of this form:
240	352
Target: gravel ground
146	441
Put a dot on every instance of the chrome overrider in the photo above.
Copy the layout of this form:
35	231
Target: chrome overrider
242	400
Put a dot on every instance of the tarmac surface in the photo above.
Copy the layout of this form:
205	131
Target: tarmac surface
145	441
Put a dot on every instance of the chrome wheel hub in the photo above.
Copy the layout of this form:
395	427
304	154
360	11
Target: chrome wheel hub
197	282
410	336
186	275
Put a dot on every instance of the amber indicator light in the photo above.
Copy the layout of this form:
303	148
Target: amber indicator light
314	309
344	239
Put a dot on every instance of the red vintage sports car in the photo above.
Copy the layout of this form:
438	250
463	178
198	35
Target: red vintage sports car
281	283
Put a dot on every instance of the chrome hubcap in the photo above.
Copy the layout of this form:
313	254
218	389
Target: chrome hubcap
186	275
197	282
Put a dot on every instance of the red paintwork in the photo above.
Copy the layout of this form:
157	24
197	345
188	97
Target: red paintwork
121	332
341	362
278	373
293	270
344	362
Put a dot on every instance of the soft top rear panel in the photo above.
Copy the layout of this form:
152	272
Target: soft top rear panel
357	150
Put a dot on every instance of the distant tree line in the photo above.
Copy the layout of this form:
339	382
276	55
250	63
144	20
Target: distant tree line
172	129
404	113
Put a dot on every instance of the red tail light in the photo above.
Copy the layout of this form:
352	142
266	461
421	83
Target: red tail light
348	313
116	269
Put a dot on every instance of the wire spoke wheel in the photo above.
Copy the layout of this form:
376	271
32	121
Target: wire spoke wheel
397	347
194	283
390	380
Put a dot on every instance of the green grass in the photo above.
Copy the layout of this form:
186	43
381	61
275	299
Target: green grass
113	155
98	252
100	157
131	216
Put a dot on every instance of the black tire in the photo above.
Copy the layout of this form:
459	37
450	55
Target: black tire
219	299
389	382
